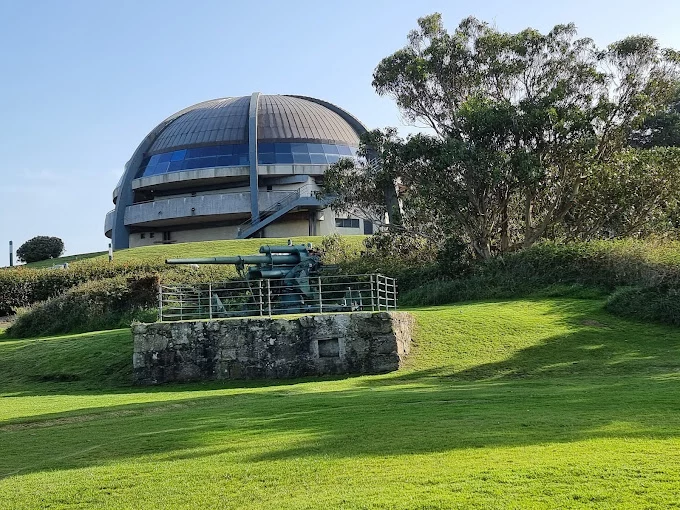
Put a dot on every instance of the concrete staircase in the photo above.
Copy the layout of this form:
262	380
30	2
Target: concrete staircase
305	196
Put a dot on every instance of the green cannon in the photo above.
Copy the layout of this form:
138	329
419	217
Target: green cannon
286	271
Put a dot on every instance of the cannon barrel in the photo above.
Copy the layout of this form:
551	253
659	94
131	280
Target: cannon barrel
246	259
294	248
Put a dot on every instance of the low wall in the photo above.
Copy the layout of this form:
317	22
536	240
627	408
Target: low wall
262	347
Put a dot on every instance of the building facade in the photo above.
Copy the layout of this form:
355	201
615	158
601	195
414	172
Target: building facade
235	168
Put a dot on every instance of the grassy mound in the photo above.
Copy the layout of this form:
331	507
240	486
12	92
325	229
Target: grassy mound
25	286
575	269
526	403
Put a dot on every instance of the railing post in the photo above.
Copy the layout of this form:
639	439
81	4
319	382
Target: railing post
372	294
181	305
394	293
320	294
160	302
269	298
259	285
210	300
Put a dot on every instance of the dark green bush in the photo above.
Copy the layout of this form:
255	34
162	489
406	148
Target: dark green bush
605	265
659	303
40	248
24	286
96	305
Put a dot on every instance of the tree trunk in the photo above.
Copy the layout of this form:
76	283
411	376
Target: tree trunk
392	204
505	238
528	220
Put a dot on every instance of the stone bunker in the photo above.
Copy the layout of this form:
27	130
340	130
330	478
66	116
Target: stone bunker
270	348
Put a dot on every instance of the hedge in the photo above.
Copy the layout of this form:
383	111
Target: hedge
96	305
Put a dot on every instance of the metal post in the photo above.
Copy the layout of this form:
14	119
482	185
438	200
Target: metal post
160	303
320	298
210	300
181	306
259	284
269	298
372	294
11	254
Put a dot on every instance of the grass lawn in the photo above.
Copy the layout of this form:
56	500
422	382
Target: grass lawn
160	252
68	258
546	403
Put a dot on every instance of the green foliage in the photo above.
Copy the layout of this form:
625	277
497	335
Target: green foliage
411	260
524	404
24	286
91	306
40	248
556	269
660	129
635	193
651	303
525	125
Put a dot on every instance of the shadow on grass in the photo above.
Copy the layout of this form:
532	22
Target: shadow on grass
391	420
604	378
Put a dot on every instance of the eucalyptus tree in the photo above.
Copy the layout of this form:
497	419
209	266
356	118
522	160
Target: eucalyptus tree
519	123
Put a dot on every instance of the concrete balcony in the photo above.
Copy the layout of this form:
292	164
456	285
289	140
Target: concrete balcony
223	206
108	223
221	174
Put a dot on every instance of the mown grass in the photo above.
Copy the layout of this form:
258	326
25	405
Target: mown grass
230	247
68	258
549	403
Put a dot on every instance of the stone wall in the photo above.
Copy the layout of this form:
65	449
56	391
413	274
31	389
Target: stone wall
262	347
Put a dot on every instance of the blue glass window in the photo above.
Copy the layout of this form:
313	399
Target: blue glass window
175	166
161	168
211	151
178	155
206	162
238	155
302	159
302	153
300	148
315	148
194	153
268	158
190	164
227	160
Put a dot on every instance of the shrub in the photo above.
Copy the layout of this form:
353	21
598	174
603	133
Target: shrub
40	248
602	264
96	305
25	286
659	303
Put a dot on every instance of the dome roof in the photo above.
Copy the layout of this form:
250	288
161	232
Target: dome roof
280	118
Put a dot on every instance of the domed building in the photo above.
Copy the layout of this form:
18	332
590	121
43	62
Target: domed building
235	168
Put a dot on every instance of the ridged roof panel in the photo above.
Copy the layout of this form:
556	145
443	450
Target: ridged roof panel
217	121
290	118
284	118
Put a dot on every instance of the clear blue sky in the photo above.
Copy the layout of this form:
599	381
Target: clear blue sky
82	82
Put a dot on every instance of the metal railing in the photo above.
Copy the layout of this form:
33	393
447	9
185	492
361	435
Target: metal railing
306	190
324	294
